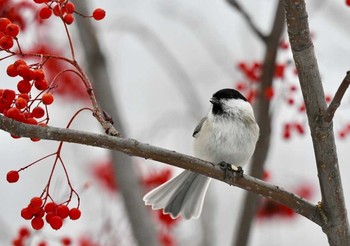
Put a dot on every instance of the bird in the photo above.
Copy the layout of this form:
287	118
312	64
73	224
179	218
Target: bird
228	134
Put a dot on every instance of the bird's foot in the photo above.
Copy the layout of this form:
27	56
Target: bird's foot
231	171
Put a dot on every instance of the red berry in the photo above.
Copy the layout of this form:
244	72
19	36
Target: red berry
21	103
299	127
31	121
57	10
45	12
24	71
3	24
38	74
49	216
13	113
12	30
347	2
50	207
68	19
279	71
70	8
9	95
62	211
286	131
74	214
12	176
6	42
41	84
290	101
36	202
342	134
56	222
19	62
11	71
328	99
24	86
66	241
33	210
24	96
99	14
293	88
241	86
24	232
26	214
269	93
40	213
38	112
37	223
47	99
42	243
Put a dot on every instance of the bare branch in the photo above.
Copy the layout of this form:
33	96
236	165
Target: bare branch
249	20
336	224
333	106
134	148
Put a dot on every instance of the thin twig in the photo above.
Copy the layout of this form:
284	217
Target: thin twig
333	106
135	148
249	20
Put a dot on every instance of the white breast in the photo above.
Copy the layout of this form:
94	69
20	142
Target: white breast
226	139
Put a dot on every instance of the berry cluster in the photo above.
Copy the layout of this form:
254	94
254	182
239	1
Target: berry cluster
22	237
8	33
65	10
289	127
54	214
252	77
21	106
25	236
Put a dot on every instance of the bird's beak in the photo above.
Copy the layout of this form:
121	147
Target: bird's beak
214	101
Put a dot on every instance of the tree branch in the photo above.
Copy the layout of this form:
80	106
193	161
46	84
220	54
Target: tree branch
335	223
134	148
249	20
333	106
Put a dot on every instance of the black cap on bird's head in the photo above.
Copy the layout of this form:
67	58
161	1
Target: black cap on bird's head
224	94
228	94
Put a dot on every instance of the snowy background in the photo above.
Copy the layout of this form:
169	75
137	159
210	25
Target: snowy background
207	39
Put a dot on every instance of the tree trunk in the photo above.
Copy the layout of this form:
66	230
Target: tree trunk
333	210
124	170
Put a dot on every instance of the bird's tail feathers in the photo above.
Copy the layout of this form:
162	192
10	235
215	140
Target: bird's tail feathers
183	195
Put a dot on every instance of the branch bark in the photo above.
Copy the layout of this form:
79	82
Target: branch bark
334	105
135	148
249	20
335	223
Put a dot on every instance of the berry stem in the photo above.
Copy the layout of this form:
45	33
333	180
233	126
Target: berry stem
31	164
69	39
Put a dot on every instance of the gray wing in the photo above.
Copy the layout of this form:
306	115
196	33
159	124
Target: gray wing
198	127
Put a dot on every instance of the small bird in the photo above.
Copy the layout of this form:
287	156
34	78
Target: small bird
228	134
